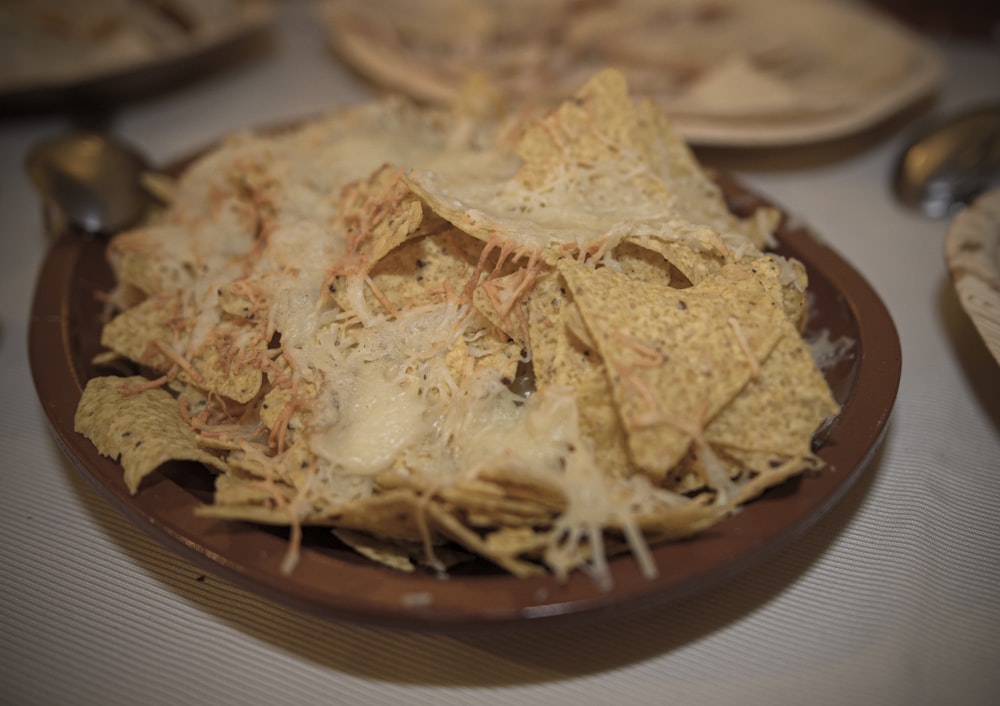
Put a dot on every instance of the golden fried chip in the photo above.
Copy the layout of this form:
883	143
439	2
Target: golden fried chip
377	213
141	259
453	528
779	410
526	485
693	258
424	270
591	168
567	357
593	127
225	365
516	541
786	281
596	126
643	264
577	365
602	123
395	555
396	515
401	556
544	307
679	356
492	349
132	333
235	494
222	363
772	477
142	429
677	521
492	508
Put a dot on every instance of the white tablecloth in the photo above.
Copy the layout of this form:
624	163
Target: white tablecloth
892	598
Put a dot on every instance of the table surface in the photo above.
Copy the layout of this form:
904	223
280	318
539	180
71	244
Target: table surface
890	599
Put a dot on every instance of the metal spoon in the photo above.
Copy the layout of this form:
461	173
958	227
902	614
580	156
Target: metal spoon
89	182
948	164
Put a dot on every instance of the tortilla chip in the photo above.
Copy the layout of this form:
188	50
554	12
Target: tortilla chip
643	264
141	430
493	350
675	522
451	527
778	412
140	259
695	252
526	485
424	270
391	554
786	281
577	365
394	515
131	333
516	541
774	476
677	358
492	508
544	307
502	301
377	213
146	334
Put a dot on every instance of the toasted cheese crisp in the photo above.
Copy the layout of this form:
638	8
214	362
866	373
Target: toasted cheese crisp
577	162
541	341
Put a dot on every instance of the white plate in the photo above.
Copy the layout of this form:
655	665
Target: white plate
972	250
764	73
920	80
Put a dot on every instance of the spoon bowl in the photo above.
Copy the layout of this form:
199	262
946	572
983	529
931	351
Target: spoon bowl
946	165
89	182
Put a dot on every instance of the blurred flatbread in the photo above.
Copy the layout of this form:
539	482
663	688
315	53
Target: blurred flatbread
727	71
972	250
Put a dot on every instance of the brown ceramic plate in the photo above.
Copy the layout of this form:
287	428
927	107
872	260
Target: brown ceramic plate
333	582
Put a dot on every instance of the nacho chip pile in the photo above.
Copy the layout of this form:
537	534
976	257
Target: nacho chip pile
541	340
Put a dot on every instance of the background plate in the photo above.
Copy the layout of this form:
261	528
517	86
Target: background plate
333	582
972	250
88	91
851	89
918	82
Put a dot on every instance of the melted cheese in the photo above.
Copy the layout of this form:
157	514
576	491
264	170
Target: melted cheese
378	419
